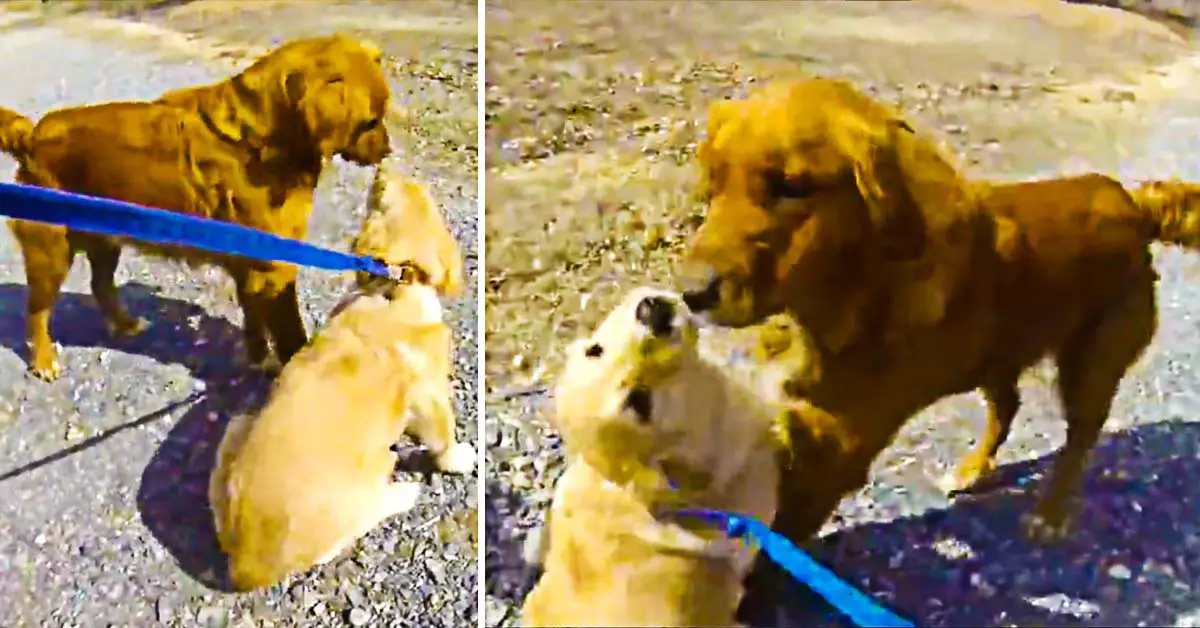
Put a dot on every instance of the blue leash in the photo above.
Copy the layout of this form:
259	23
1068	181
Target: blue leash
851	602
119	218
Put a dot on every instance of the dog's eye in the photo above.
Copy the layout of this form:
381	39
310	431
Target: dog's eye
594	351
781	186
639	401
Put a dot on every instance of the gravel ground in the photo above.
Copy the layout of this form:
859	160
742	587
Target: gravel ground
103	518
1135	555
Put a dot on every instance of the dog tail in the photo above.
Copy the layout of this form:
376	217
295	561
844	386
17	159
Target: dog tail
1172	209
16	133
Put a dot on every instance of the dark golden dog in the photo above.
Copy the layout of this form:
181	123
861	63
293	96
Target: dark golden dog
247	150
910	283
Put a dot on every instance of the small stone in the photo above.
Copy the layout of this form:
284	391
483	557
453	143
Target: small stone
212	617
164	611
39	540
1120	572
359	617
436	572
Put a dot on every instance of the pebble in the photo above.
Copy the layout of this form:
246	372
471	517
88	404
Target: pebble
164	611
212	617
1120	572
359	617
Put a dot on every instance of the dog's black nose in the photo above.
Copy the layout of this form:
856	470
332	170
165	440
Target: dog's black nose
656	313
704	298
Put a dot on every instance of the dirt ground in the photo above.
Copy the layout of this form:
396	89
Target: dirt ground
593	113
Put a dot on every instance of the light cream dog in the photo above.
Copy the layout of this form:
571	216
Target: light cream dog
300	482
636	404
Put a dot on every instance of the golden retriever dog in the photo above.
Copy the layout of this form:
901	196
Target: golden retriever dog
247	150
636	405
300	482
911	283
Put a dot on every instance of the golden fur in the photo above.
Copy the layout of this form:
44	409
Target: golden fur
611	557
910	283
297	484
410	210
248	150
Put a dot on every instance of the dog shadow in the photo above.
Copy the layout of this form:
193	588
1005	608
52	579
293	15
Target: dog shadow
1132	557
207	349
172	497
509	576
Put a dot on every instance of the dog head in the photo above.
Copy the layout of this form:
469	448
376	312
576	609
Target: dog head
609	401
1176	206
403	225
322	95
338	89
807	183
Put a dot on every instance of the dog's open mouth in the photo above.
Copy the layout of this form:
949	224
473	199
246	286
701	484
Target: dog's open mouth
640	402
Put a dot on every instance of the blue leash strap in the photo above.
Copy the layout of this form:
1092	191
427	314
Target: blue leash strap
119	218
849	601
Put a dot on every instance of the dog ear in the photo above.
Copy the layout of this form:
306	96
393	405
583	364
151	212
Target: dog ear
719	113
883	172
372	50
452	280
325	113
376	192
293	86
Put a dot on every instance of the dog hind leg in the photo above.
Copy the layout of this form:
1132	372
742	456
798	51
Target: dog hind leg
1003	401
48	256
1090	368
103	256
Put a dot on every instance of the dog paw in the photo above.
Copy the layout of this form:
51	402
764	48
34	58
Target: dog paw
127	328
459	459
47	373
949	484
956	482
45	365
1038	529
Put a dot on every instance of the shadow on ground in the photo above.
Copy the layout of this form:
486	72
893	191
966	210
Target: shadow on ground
173	497
1134	557
507	574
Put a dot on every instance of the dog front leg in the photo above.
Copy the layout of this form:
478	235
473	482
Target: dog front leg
284	322
433	424
254	325
272	311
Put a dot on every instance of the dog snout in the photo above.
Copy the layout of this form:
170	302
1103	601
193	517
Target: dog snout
703	294
657	314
